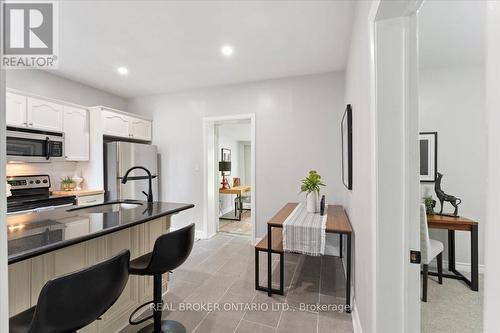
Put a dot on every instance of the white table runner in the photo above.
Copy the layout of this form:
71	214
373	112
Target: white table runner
304	232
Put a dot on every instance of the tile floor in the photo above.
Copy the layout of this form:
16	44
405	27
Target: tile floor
220	271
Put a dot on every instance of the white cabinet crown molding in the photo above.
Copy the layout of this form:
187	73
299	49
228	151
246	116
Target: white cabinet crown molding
130	114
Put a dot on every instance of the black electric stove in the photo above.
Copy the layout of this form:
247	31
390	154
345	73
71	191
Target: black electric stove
31	194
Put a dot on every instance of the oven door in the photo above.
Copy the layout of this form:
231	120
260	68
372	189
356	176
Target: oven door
25	145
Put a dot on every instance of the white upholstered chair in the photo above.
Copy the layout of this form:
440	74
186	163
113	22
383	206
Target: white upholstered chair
429	249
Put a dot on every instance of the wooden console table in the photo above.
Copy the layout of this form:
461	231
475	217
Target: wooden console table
239	191
337	222
453	224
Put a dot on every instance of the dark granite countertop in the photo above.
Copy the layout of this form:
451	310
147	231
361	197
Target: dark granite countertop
33	234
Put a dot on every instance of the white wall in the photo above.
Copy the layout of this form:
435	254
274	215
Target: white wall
359	201
46	84
492	276
297	129
452	103
56	171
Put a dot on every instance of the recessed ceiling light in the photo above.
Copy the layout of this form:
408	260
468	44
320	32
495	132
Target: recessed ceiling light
227	50
122	70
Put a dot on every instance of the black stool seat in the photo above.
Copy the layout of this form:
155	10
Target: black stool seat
169	252
73	301
139	265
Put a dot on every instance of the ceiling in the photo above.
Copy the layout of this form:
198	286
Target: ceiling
452	33
175	45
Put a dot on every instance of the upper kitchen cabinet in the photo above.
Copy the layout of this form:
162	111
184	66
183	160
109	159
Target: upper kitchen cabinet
115	124
119	124
16	110
140	129
45	115
76	134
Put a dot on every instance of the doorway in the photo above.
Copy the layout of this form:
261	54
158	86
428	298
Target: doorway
452	114
229	169
234	149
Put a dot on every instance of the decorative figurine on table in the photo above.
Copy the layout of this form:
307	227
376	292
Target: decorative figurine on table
443	197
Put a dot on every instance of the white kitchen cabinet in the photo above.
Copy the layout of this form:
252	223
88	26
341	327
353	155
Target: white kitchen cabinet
76	134
122	125
140	129
16	110
115	124
45	115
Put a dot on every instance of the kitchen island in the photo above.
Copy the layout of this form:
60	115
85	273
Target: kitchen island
48	244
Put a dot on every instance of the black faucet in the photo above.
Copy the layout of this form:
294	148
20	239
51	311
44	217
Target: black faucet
150	192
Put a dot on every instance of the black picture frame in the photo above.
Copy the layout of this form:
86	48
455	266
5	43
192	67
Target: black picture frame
428	152
225	156
346	130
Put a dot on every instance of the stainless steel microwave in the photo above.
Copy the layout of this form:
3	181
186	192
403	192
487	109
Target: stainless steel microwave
29	145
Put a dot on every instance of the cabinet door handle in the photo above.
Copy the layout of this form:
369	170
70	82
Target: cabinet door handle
31	124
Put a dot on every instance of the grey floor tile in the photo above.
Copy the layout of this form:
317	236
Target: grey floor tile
221	270
211	290
244	286
332	277
268	311
292	257
190	275
297	322
215	242
219	322
334	322
190	319
180	289
249	327
304	290
227	317
289	270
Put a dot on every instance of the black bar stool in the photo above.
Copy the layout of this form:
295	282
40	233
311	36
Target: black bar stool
170	251
73	301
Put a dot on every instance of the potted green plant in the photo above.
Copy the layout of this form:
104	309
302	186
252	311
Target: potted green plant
311	185
67	184
429	205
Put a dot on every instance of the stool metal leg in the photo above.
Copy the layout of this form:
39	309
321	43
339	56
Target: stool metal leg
158	303
161	326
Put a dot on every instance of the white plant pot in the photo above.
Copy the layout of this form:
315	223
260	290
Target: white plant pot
312	202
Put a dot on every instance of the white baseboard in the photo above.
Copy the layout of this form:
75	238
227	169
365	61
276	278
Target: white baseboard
198	234
356	323
460	266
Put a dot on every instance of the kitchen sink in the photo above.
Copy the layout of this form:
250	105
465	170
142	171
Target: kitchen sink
107	207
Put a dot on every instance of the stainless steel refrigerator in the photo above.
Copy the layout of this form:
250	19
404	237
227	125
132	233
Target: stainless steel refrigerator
121	156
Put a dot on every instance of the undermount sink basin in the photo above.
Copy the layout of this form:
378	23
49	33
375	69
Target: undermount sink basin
108	207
